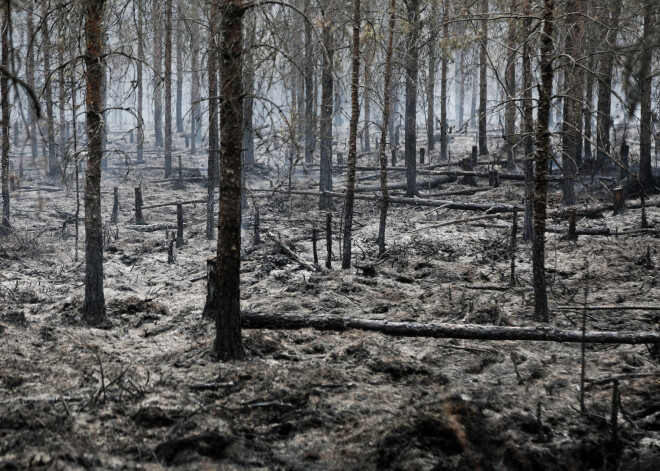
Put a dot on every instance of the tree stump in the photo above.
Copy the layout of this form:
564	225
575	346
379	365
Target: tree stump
179	225
572	233
467	166
474	157
619	200
211	305
139	219
422	151
115	207
393	157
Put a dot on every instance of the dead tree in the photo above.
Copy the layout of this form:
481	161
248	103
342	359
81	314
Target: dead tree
352	139
325	181
541	169
214	150
94	303
647	180
29	71
140	84
310	109
157	75
228	341
179	70
443	85
168	88
412	69
483	82
510	83
54	168
528	124
385	201
430	88
4	92
573	92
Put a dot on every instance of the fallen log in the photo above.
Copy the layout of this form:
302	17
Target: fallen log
260	320
290	253
599	208
403	185
486	207
173	203
152	227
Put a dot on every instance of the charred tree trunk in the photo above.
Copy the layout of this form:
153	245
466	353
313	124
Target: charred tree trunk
158	78
510	82
443	85
541	169
179	75
368	58
309	88
573	92
460	86
528	125
94	303
140	84
483	82
228	341
384	204
213	121
646	178
168	88
4	104
325	183
248	103
412	69
29	71
54	168
588	109
430	89
352	139
603	117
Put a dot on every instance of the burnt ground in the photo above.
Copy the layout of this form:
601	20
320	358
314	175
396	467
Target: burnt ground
144	392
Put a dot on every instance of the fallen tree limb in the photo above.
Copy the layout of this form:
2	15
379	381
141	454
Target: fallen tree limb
403	185
608	308
290	253
173	203
258	320
152	227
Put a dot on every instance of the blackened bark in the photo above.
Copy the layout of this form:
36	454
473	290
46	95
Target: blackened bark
430	89
4	93
385	202
573	93
140	84
460	85
309	87
54	168
541	169
483	82
325	183
29	71
179	75
510	83
352	139
248	103
412	69
603	117
213	121
94	303
646	177
443	85
588	109
158	78
528	125
168	88
228	341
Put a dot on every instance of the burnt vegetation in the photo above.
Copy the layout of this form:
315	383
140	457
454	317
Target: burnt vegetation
413	234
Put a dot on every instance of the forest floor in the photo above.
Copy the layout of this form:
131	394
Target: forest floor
144	392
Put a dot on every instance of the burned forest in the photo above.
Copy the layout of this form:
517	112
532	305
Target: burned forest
330	235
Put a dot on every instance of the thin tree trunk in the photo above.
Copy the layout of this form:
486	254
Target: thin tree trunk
573	92
541	169
94	303
412	69
62	98
368	58
510	82
179	74
4	92
54	168
168	88
588	109
459	77
475	94
443	85
327	84
483	83
384	204
248	103
213	121
309	88
228	341
29	70
158	80
430	90
603	116
646	177
528	125
194	93
352	139
140	84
